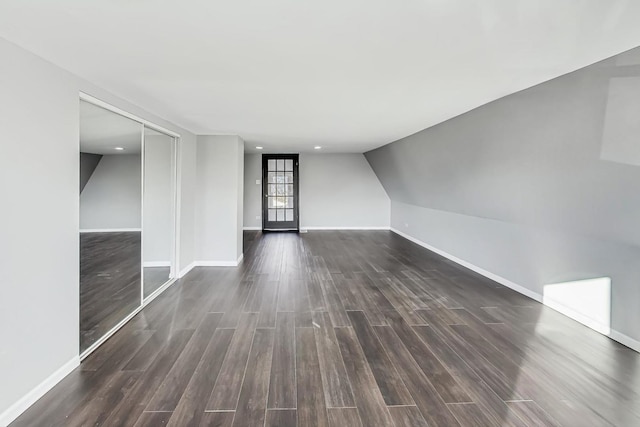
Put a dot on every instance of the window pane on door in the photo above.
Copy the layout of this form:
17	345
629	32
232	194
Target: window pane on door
280	216
272	190
271	165
288	190
280	163
272	215
288	177
280	202
288	165
271	177
289	214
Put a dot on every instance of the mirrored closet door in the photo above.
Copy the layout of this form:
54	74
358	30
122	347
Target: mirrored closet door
158	248
110	220
127	218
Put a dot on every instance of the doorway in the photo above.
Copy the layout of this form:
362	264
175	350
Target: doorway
280	188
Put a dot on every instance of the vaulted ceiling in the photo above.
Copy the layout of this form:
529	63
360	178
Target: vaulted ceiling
349	75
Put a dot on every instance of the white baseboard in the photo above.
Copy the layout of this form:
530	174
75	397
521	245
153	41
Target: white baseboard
577	316
303	229
343	228
110	230
216	264
625	340
157	264
207	263
15	410
613	334
187	269
481	271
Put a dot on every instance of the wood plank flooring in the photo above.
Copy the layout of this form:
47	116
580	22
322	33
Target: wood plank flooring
346	329
154	277
109	282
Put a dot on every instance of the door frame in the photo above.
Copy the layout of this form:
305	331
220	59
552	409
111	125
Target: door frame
296	191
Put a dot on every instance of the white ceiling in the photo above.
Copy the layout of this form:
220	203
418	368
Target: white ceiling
349	75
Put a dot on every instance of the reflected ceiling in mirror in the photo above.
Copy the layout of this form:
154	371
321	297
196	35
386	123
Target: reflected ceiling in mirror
105	132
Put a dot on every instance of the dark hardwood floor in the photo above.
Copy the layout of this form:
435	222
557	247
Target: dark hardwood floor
109	282
346	329
154	277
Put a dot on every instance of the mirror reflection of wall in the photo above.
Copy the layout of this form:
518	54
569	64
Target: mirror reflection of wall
110	220
158	202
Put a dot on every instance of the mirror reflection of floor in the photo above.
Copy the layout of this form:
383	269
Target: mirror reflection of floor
109	282
154	277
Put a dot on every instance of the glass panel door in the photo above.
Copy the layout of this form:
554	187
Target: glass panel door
280	185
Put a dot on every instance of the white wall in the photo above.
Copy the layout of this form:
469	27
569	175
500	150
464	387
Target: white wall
111	200
341	190
39	180
187	202
336	191
240	198
158	200
220	171
252	191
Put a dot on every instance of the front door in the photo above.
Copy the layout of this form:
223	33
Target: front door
280	190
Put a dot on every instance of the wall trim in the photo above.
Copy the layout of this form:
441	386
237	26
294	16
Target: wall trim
15	410
252	228
110	230
187	269
345	228
575	315
157	264
613	334
508	283
625	340
208	263
215	263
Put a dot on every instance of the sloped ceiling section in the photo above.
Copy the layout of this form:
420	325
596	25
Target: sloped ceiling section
350	75
561	155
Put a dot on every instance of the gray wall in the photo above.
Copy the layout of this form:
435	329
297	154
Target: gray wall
186	201
220	172
336	191
39	181
111	200
252	191
158	200
539	187
88	164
